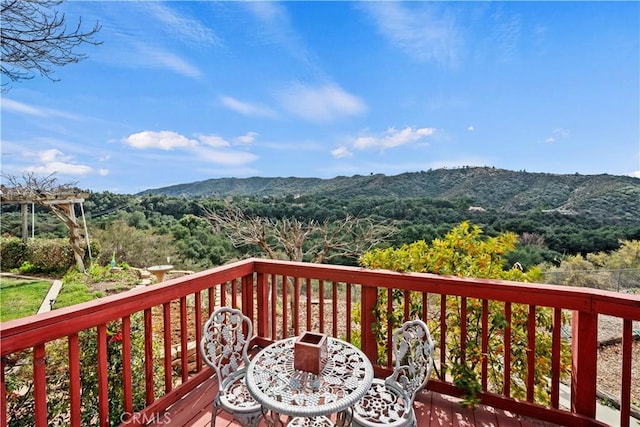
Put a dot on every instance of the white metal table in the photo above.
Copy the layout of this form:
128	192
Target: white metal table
305	398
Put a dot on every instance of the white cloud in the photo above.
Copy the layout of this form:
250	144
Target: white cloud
213	141
11	105
164	59
103	172
320	104
246	108
470	128
164	140
274	27
341	152
247	139
226	157
393	138
207	148
188	29
635	174
54	161
558	133
50	155
61	168
418	30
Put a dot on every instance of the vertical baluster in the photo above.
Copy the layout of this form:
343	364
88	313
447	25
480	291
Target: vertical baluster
274	297
463	330
184	335
625	400
321	304
40	385
555	357
485	343
390	327
223	295
126	366
507	350
584	336
296	306
148	356
443	335
335	308
211	296
74	381
309	311
3	394
285	307
103	382
234	293
407	304
166	333
531	352
248	291
198	321
425	307
263	308
348	310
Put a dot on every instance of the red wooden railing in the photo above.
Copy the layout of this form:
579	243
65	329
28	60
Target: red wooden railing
284	299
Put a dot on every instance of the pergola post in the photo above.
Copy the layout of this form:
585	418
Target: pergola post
24	211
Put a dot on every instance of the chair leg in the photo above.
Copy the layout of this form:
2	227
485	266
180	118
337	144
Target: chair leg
214	414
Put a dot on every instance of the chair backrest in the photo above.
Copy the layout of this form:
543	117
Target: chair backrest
225	341
413	354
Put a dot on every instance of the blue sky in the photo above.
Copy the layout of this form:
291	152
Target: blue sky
186	91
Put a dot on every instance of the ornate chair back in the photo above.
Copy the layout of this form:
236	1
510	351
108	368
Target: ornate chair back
225	342
413	354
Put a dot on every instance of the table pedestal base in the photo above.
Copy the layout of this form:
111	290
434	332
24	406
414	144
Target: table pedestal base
342	419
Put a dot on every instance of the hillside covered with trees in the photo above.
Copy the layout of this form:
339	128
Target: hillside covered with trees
554	216
607	197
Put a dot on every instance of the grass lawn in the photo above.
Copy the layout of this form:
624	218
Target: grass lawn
21	297
75	293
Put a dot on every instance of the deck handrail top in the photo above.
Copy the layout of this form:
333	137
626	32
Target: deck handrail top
31	330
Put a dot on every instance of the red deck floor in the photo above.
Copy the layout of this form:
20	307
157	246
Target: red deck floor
432	409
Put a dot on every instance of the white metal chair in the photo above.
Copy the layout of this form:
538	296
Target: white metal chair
389	402
224	346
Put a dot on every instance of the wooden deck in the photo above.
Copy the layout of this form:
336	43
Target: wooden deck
432	409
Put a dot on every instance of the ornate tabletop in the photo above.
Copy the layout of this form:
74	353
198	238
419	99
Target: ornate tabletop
278	387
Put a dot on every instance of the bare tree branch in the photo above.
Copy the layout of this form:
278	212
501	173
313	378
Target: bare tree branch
299	241
34	39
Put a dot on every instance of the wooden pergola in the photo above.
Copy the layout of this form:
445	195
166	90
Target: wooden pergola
60	201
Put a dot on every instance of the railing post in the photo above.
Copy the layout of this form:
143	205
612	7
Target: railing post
262	300
584	337
369	345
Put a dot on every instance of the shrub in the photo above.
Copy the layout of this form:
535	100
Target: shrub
12	252
464	253
50	255
20	402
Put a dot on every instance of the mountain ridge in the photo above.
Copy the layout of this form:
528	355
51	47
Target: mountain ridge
485	187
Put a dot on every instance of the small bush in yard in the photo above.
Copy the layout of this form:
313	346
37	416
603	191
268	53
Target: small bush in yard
12	252
50	255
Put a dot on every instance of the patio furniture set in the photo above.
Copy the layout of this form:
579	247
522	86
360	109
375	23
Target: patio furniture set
273	386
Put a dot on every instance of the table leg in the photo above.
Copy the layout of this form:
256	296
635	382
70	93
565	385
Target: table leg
272	418
344	418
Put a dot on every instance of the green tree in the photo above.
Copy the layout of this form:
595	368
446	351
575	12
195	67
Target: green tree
465	252
139	248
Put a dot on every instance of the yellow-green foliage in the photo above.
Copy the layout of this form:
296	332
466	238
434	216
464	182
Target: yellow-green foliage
465	252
